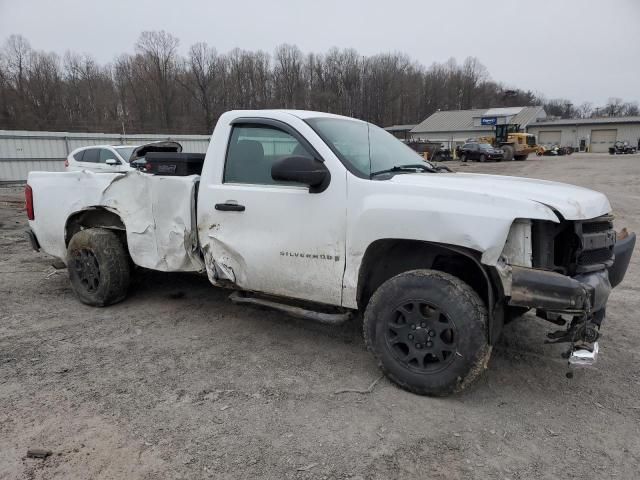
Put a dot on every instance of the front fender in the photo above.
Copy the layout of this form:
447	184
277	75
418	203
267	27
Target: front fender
473	221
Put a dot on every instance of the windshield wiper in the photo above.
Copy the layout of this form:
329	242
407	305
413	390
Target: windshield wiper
406	168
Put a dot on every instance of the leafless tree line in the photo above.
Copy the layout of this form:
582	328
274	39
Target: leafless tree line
158	90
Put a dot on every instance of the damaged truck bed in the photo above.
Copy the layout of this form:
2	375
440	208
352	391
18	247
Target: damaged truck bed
326	217
156	215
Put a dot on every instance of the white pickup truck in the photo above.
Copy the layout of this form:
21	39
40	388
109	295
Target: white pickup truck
325	217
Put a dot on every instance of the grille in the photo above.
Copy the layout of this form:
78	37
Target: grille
590	257
595	227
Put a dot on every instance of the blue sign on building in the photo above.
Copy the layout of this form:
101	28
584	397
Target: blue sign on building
488	120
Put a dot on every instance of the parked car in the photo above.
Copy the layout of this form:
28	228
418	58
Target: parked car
481	152
326	217
620	148
114	158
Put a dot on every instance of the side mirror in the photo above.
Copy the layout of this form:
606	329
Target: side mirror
300	169
112	161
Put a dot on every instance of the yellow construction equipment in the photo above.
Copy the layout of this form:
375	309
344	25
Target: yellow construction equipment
515	144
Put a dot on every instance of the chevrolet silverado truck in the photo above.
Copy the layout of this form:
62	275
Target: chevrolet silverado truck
328	218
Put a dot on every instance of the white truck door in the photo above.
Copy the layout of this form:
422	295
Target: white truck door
270	236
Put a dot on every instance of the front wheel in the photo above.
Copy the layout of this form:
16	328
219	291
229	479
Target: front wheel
508	152
483	158
427	329
98	267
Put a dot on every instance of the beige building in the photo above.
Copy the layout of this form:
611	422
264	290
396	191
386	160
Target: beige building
455	127
587	134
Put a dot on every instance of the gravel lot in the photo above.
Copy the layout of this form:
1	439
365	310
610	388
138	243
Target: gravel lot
177	382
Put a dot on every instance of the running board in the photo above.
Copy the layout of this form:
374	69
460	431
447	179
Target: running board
328	318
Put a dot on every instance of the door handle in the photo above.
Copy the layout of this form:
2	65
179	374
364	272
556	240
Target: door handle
229	207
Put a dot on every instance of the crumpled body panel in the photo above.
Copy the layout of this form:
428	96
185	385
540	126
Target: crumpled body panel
158	213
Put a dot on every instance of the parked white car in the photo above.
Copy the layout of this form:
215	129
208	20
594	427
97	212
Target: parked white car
114	158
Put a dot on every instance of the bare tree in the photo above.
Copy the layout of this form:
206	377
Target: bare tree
158	62
585	110
614	107
288	76
204	79
158	90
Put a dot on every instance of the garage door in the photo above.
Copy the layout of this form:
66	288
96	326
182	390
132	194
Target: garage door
549	137
601	140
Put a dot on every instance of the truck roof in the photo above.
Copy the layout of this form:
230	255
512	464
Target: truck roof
302	114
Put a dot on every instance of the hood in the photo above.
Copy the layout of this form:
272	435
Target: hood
573	203
161	146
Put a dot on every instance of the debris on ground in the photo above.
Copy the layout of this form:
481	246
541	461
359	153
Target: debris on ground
38	453
368	390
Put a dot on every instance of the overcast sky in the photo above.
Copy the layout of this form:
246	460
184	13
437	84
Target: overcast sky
576	49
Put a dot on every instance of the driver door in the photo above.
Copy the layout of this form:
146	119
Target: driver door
268	236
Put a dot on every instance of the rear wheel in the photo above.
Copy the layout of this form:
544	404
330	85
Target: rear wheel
508	152
427	329
463	158
98	267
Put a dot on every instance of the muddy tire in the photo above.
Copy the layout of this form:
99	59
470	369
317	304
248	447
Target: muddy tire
427	330
98	266
508	152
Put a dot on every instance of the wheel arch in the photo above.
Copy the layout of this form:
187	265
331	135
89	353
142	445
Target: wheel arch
94	217
386	258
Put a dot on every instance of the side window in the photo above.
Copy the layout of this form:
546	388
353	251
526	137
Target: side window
253	149
106	155
91	155
78	156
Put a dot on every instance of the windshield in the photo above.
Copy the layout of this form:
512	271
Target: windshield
363	147
485	146
125	152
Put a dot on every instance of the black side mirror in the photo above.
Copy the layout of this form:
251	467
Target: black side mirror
300	169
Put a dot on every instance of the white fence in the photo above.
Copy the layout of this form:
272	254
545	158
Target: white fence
22	151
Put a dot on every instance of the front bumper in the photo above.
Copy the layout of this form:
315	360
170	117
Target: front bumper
622	251
554	292
557	293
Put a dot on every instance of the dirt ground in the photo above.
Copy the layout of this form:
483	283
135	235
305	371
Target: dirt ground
177	382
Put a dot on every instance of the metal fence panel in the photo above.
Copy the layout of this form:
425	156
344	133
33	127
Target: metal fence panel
24	151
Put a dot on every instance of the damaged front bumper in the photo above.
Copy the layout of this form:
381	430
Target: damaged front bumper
582	297
554	292
583	293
